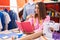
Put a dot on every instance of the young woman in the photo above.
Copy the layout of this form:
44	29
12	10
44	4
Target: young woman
39	18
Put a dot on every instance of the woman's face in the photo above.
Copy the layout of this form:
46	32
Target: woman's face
36	9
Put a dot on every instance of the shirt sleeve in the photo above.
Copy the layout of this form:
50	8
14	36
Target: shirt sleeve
24	13
7	18
0	24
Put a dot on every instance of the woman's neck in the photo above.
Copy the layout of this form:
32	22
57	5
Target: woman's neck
40	21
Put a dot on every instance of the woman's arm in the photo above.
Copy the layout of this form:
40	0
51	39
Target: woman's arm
32	36
43	38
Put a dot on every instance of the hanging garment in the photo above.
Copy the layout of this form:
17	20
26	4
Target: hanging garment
28	9
2	20
0	24
7	19
13	17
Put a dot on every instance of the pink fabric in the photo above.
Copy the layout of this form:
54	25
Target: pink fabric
37	26
19	25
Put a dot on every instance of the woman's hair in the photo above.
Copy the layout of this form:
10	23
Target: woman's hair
42	10
20	13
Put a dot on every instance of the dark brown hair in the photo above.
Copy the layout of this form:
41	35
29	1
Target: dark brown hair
42	10
20	13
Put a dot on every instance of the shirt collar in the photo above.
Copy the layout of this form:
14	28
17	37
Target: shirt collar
30	4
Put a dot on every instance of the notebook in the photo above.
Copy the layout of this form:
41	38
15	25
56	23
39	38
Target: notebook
25	27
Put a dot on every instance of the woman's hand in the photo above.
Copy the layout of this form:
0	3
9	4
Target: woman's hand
43	38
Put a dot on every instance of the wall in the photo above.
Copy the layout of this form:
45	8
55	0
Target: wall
4	4
20	3
13	6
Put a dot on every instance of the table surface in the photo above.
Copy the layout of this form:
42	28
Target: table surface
8	34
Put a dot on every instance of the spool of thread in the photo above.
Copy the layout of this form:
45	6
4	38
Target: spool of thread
52	14
56	14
